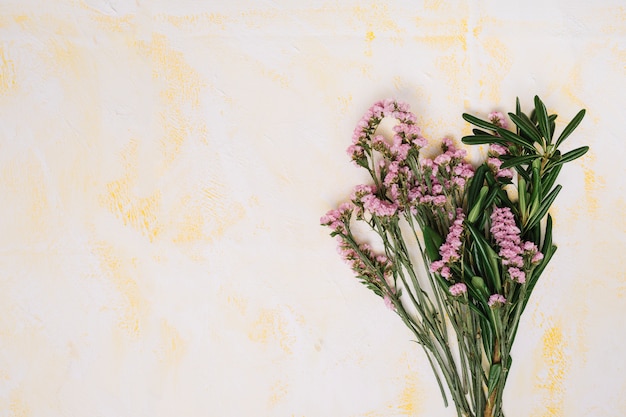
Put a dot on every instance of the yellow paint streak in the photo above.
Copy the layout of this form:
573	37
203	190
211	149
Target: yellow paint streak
376	18
116	24
613	20
240	303
497	68
18	407
558	364
442	34
432	4
344	103
46	24
573	85
180	93
8	81
407	404
278	392
67	56
27	184
173	345
20	19
138	212
620	58
191	227
117	268
271	326
223	214
593	183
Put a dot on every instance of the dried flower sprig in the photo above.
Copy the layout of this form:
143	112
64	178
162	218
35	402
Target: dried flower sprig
483	250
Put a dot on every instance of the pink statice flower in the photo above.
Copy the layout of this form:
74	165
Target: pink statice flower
517	275
450	249
494	162
366	126
389	302
496	300
518	256
336	219
531	253
379	207
458	289
507	236
498	119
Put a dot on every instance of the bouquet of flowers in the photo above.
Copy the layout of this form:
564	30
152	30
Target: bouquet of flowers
483	237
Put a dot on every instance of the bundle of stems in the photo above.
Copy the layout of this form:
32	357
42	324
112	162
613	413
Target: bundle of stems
483	237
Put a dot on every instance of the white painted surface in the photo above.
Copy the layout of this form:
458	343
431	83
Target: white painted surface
163	167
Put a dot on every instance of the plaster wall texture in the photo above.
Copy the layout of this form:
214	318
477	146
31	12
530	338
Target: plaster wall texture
163	167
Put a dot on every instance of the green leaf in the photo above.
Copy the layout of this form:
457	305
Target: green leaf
487	336
518	140
521	195
571	155
550	177
432	241
487	258
518	160
479	122
481	139
479	132
473	307
547	240
526	126
545	206
475	185
542	118
478	206
494	376
573	124
536	194
478	284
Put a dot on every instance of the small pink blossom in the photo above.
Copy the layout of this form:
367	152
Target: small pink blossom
389	302
458	289
517	275
495	149
496	300
498	119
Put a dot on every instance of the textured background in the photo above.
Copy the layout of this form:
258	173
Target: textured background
163	168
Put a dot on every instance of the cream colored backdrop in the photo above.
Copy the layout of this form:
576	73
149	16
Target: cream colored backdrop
163	168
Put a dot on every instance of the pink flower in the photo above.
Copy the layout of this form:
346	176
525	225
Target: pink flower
495	149
458	289
449	250
389	302
517	275
496	300
497	119
536	258
336	219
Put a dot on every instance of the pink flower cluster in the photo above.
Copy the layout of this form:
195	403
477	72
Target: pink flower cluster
336	219
498	119
364	199
375	270
496	300
494	162
458	289
449	251
407	134
441	176
512	251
